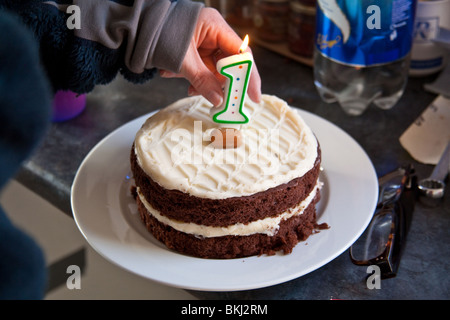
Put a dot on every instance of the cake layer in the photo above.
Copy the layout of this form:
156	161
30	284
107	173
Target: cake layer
291	231
173	148
180	206
255	198
268	226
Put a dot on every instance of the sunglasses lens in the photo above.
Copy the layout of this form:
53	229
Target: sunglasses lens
382	242
375	239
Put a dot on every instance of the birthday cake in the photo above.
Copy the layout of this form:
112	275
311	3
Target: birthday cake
256	196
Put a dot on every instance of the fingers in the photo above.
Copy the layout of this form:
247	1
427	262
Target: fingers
192	91
229	43
202	80
254	87
213	39
206	88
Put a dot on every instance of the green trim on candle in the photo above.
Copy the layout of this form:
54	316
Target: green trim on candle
227	100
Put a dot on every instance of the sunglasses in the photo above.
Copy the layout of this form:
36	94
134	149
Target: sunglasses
383	241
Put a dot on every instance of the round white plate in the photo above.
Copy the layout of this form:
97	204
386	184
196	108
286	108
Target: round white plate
106	214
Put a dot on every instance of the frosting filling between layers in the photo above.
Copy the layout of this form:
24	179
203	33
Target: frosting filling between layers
268	226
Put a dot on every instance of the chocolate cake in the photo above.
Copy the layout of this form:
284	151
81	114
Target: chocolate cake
210	202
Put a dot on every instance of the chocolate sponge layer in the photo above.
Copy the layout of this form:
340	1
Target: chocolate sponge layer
177	205
291	231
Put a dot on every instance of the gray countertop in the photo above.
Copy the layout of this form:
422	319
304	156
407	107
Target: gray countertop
424	268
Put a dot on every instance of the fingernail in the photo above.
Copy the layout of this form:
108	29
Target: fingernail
215	98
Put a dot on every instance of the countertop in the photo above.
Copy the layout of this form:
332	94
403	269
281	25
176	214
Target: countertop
425	266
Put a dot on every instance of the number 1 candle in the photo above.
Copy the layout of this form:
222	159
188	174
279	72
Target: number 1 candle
236	69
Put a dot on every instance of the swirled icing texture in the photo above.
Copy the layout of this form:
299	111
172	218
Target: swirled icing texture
173	147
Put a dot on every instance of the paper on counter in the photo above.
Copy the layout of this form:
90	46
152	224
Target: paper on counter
427	137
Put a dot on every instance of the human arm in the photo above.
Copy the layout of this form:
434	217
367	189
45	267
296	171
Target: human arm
130	37
133	38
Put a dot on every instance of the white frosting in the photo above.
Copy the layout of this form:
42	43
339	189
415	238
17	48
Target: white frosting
173	147
268	226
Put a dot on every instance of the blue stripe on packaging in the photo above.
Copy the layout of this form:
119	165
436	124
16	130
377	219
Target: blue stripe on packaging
365	32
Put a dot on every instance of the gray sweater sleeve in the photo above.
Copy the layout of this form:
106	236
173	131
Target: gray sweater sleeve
130	37
155	33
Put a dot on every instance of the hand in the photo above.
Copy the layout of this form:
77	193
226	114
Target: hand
213	39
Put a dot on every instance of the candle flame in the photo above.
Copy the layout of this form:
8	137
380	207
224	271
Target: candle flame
244	44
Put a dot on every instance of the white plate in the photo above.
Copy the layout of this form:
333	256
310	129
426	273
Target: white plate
107	216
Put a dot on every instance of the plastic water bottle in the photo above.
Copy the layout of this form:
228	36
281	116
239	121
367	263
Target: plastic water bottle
362	51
